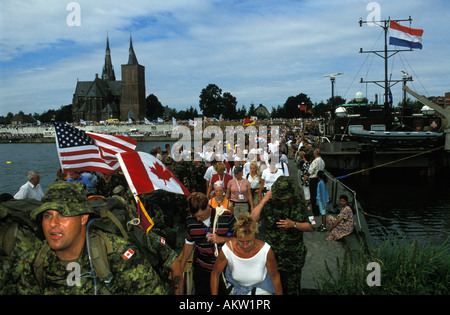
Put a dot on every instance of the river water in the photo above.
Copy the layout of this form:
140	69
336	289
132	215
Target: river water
404	203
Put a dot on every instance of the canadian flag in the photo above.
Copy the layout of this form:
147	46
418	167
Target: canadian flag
145	173
127	255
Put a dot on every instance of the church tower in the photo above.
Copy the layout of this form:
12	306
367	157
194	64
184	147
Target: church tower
108	69
132	103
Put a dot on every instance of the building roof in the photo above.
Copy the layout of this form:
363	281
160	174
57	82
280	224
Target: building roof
132	60
108	69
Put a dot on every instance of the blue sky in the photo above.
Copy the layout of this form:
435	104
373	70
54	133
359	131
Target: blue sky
261	51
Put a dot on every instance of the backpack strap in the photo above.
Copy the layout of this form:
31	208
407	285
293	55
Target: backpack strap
8	234
39	264
105	213
99	248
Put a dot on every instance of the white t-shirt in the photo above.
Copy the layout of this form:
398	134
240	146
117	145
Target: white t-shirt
210	171
270	178
247	271
254	182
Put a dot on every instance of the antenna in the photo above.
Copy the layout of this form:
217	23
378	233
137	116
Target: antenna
332	78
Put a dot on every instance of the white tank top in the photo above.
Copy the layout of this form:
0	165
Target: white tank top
247	271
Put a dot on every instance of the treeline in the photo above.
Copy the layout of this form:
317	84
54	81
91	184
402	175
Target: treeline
213	103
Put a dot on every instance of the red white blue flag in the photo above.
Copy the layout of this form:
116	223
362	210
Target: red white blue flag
404	36
89	151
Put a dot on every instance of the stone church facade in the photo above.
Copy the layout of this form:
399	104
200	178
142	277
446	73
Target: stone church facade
106	98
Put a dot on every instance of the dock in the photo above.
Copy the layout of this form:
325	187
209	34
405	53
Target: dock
322	253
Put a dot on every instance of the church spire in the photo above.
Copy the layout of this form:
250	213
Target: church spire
132	60
108	69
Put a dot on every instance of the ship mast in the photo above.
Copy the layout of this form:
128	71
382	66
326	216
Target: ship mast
385	54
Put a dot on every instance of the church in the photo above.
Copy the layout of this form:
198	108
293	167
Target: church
106	98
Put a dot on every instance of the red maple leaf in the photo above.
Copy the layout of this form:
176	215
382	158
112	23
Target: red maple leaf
161	172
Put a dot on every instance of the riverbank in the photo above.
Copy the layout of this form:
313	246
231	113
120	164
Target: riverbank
52	139
142	132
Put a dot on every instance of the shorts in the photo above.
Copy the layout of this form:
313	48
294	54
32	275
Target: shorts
322	209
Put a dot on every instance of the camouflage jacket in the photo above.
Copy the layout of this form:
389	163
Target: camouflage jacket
26	244
197	180
106	189
287	244
131	273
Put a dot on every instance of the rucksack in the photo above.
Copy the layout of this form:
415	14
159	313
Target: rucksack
15	214
111	216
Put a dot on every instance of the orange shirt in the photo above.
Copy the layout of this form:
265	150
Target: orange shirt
213	203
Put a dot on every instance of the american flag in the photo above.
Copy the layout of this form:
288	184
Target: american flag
79	150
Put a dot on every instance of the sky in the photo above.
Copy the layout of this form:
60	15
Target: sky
260	51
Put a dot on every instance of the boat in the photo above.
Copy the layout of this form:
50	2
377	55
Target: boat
49	133
373	122
365	133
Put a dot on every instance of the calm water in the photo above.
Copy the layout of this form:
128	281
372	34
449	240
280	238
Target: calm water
403	196
410	205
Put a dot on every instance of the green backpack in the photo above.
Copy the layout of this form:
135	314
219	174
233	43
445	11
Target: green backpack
111	216
15	214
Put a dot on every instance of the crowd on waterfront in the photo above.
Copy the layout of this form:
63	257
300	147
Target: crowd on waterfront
238	209
14	132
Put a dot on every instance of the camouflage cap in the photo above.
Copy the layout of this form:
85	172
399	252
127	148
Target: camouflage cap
69	199
283	188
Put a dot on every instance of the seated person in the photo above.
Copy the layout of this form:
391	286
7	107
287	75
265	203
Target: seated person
343	225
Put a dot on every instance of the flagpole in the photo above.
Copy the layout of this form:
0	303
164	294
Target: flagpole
385	55
57	144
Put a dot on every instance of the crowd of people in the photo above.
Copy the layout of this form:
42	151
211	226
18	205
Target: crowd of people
241	227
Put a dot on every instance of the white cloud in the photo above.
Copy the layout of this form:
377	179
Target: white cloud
259	51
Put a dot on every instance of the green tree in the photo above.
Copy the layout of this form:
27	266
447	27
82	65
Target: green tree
210	100
332	103
229	104
292	106
64	113
252	110
213	103
153	107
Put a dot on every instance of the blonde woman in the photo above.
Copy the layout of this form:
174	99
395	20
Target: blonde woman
252	267
254	177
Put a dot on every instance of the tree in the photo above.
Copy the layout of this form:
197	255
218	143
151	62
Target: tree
210	100
64	113
229	104
153	107
213	103
292	106
252	110
332	103
320	109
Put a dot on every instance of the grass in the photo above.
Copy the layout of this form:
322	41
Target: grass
405	269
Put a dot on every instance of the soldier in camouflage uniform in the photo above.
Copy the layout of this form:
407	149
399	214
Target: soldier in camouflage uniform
159	250
18	243
106	184
197	180
283	219
64	219
181	170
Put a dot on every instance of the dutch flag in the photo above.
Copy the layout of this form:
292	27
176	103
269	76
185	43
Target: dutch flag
404	36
